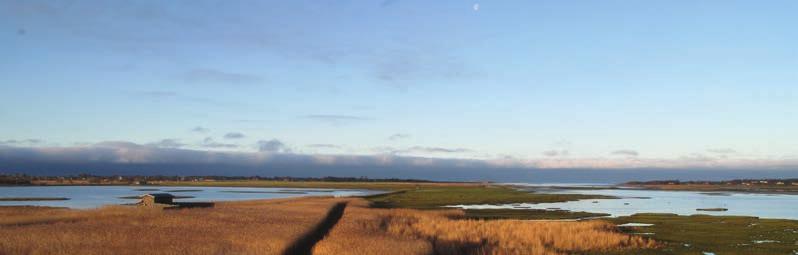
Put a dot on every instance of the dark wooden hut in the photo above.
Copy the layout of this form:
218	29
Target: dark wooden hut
157	198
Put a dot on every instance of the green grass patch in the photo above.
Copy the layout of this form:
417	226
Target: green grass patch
528	214
717	234
435	197
303	184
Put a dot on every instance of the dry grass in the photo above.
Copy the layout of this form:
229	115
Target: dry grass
269	226
359	232
254	227
401	231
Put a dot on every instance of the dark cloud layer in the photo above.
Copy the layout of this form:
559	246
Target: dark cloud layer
275	158
110	158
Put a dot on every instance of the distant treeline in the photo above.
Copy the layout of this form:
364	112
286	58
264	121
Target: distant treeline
728	182
23	179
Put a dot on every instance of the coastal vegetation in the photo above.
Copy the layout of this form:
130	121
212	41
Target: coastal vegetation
409	219
250	227
435	197
273	226
528	214
789	186
365	230
716	234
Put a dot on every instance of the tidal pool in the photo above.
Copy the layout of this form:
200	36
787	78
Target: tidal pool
775	206
95	196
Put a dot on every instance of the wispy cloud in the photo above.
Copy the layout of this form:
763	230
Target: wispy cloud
323	146
555	153
722	151
234	135
272	146
420	150
335	119
386	3
167	143
629	153
21	142
208	142
200	129
168	96
207	75
423	149
398	136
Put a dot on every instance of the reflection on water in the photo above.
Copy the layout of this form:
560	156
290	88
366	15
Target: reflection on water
96	196
777	206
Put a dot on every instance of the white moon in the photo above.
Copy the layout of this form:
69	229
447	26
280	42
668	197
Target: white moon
476	7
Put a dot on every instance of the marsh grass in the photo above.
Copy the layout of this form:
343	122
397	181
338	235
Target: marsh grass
404	231
435	197
252	227
271	226
718	234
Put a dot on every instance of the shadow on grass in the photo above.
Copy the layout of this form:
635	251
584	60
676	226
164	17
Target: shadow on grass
304	245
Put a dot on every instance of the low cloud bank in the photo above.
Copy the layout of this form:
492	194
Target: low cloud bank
274	152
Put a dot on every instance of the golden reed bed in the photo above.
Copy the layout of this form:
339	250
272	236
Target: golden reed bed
398	231
253	227
269	227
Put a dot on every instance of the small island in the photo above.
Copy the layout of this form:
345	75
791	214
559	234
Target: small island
8	199
773	186
712	209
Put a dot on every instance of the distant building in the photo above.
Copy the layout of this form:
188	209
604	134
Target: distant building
156	198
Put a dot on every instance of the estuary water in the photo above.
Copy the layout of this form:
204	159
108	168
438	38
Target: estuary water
775	206
83	197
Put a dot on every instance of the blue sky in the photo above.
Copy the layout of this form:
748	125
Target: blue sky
534	83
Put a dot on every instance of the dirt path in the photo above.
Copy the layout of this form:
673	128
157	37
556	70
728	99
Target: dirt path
304	245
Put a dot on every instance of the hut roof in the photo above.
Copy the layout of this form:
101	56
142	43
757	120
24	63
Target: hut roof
158	195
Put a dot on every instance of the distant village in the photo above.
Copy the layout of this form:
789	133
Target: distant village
87	179
738	182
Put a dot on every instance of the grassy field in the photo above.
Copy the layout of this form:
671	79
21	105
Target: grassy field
329	185
435	197
366	230
252	227
270	226
528	214
384	224
717	234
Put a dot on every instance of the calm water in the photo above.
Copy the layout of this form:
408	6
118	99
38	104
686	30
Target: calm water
775	206
96	196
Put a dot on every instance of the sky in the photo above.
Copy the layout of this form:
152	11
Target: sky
486	84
